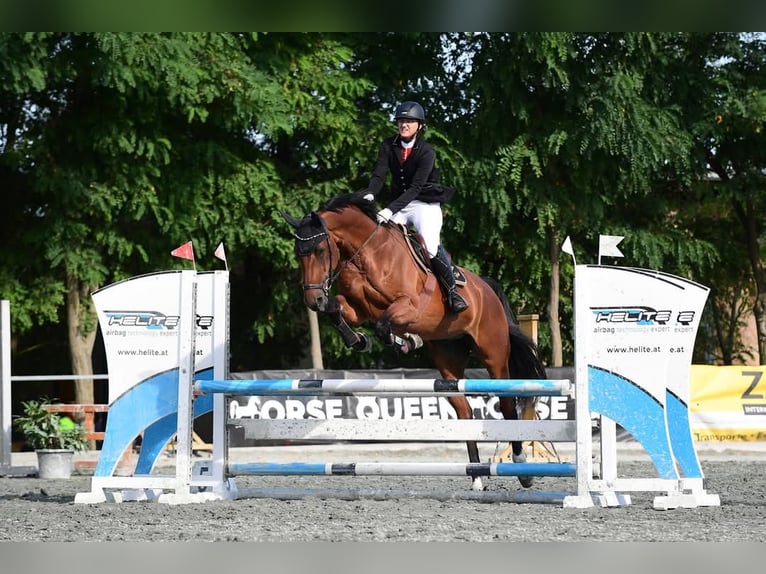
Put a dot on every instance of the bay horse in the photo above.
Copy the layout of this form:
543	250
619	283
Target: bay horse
378	279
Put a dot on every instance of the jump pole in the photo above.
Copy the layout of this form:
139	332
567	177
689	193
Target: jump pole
397	431
668	443
212	480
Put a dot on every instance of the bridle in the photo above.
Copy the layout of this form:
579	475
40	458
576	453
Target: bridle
332	272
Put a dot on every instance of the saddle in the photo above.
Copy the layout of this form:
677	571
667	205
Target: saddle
420	253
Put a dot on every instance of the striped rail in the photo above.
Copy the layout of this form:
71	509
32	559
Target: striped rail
471	469
446	387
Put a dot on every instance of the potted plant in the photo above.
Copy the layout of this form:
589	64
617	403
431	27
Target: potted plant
55	439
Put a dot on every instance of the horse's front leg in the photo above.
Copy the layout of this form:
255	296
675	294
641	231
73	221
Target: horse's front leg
463	410
392	326
335	312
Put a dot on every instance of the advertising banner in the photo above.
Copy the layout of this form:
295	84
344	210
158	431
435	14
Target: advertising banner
639	328
139	320
383	408
728	403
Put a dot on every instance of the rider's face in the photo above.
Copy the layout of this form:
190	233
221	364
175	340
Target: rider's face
407	129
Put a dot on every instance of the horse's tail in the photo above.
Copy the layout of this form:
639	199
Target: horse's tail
524	362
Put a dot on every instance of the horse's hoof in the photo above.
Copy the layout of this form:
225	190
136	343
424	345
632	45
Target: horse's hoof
477	485
410	342
525	481
363	345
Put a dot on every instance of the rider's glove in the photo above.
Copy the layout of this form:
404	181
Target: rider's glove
369	197
384	215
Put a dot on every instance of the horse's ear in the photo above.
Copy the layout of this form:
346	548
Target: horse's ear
290	219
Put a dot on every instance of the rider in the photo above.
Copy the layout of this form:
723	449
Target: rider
416	195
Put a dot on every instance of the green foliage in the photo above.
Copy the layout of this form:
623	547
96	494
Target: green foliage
42	429
117	147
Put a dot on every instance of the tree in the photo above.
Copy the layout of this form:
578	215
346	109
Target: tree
581	135
725	107
122	146
116	148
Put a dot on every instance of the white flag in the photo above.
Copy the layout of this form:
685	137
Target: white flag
219	252
567	248
607	246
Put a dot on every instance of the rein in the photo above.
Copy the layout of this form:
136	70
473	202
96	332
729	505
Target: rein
343	264
332	274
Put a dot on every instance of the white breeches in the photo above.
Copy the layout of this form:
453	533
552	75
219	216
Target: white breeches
426	218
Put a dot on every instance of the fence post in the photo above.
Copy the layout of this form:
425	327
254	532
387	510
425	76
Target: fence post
528	325
5	382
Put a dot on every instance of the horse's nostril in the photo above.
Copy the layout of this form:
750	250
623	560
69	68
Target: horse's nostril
316	303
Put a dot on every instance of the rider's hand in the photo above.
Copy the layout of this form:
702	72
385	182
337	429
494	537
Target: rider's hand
384	215
369	197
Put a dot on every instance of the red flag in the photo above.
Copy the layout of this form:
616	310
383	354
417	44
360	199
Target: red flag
186	251
220	252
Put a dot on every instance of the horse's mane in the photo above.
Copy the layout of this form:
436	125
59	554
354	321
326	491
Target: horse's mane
353	199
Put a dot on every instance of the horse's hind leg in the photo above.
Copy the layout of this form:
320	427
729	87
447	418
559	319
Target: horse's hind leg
451	358
508	406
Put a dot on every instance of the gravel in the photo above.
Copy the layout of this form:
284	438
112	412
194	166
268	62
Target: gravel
33	509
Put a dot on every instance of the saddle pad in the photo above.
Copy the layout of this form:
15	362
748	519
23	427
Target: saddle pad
418	251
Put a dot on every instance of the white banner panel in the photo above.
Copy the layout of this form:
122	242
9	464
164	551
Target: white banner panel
640	327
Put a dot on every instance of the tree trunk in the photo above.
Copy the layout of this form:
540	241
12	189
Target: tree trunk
748	219
553	301
759	312
316	343
81	328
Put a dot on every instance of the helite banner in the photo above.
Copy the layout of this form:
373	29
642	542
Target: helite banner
139	320
638	327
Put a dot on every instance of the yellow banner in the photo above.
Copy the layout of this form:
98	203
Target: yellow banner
727	403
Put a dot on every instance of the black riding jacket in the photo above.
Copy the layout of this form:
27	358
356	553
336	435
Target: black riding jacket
416	178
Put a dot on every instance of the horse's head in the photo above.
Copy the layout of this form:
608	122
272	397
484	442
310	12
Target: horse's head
347	220
317	256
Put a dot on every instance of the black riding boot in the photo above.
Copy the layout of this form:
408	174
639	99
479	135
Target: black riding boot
442	268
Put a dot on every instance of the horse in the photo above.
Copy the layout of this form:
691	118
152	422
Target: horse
378	278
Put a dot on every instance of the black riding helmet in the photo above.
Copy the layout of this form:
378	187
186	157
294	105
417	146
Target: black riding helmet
410	111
